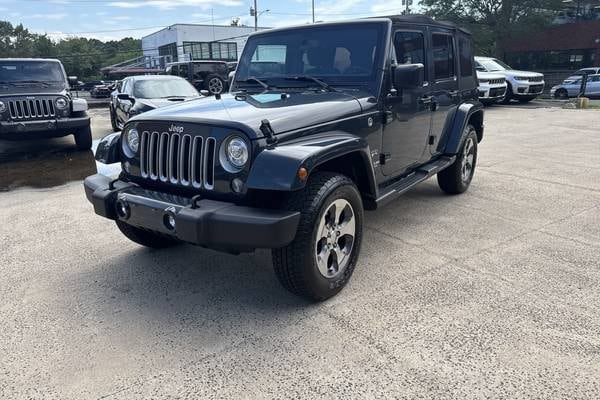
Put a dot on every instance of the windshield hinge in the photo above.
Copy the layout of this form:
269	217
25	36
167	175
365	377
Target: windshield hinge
267	130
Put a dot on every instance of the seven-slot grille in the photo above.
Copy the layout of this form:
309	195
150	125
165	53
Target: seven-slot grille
536	79
498	81
178	159
31	109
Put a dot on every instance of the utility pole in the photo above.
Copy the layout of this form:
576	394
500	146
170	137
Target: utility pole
255	16
313	10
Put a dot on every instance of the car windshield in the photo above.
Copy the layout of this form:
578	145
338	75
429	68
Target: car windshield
163	88
492	65
28	71
345	54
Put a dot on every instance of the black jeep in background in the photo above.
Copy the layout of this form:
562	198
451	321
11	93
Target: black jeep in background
322	122
204	75
36	102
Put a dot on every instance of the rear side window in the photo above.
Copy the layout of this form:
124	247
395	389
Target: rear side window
443	56
466	57
410	48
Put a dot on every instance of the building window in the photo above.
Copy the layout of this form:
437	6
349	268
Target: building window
559	60
168	50
222	51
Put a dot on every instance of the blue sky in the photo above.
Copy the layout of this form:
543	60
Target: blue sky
120	18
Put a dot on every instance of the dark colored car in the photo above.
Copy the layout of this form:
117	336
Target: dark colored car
204	75
138	94
36	102
102	91
88	86
322	122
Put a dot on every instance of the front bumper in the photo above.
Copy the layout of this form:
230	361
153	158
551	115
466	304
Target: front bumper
531	89
213	224
42	128
489	93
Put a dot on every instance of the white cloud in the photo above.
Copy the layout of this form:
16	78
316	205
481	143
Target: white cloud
55	16
169	4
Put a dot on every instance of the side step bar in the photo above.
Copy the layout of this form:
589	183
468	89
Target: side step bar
421	174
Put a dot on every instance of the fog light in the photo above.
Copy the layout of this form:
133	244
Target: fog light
169	221
237	185
123	210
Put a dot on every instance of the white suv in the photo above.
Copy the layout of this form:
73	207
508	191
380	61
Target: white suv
522	85
492	87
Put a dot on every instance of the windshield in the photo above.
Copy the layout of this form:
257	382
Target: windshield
493	65
345	54
26	71
163	88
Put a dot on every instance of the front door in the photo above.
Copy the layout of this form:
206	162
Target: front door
408	112
445	93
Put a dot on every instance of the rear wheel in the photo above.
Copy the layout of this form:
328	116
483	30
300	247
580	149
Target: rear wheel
457	178
145	237
321	259
562	94
214	84
83	139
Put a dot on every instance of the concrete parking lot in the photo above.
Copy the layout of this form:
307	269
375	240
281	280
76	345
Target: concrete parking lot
490	295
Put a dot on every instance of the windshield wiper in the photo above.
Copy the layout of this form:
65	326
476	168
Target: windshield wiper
32	81
309	78
254	79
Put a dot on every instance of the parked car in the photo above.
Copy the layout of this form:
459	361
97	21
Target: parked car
586	71
492	87
36	102
204	75
88	86
523	86
102	91
289	162
138	94
571	87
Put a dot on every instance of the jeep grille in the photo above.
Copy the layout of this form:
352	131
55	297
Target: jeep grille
178	159
31	109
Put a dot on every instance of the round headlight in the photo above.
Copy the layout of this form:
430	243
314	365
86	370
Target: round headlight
61	103
2	107
237	152
132	140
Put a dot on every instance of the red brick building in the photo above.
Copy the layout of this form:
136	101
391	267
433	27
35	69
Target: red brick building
560	48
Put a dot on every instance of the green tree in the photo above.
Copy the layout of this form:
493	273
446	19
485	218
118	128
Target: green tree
495	21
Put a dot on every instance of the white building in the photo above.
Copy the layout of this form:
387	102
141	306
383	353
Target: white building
182	42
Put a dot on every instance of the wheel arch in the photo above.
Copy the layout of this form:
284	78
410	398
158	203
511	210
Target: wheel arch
277	169
465	114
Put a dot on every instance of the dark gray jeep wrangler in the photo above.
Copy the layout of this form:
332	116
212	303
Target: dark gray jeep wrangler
36	102
322	122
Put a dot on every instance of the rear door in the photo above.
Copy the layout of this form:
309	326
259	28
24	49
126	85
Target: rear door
593	86
409	112
445	80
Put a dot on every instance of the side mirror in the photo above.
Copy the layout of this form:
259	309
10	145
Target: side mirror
73	81
481	69
125	97
409	76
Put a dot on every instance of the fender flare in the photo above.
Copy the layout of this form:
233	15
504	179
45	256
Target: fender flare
456	129
276	169
108	149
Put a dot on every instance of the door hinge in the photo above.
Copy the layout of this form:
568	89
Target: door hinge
384	157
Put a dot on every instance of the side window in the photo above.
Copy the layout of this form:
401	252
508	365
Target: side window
443	56
184	70
466	57
410	48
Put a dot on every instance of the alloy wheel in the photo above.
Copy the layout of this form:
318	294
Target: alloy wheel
215	86
335	239
468	160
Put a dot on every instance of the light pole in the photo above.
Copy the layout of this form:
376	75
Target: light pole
255	16
313	10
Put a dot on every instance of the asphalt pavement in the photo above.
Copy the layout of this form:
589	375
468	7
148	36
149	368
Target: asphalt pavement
489	295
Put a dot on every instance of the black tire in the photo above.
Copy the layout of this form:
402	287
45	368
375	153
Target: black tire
83	139
296	264
452	180
508	96
214	84
145	237
561	94
113	120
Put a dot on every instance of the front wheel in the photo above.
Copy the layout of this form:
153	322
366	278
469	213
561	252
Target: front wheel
83	139
457	178
321	259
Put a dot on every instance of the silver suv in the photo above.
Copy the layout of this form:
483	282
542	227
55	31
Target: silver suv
523	86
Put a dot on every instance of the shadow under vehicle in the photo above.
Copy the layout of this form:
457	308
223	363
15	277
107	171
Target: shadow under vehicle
139	94
322	122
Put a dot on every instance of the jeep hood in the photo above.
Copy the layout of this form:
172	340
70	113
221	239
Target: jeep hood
246	112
